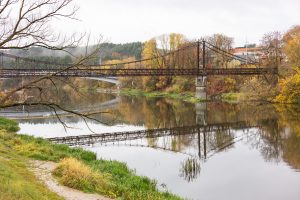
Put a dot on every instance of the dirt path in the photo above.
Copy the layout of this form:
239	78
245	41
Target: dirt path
43	170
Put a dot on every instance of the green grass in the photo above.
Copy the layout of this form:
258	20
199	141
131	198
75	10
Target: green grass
17	182
8	125
186	96
118	180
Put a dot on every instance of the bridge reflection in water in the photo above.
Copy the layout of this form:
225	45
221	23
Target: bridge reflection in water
209	140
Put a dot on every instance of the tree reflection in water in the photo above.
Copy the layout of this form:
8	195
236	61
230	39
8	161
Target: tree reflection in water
276	136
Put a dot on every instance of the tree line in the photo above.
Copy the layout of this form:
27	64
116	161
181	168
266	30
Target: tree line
278	49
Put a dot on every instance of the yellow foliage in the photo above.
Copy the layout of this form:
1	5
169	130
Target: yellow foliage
149	49
176	40
289	90
292	45
292	50
230	83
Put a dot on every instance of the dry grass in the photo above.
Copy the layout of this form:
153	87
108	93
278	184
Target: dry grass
75	174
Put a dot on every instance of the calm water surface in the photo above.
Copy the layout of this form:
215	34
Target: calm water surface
225	151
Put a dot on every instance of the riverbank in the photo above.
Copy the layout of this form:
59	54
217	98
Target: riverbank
186	96
76	168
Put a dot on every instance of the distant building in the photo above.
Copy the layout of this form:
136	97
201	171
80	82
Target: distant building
251	53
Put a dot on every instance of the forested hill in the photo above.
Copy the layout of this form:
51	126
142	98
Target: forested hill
108	51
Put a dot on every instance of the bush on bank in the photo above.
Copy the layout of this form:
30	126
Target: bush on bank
290	90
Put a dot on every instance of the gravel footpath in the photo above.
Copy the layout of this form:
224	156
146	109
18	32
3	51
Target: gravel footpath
42	171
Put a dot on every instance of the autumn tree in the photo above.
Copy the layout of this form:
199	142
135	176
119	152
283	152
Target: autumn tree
131	82
149	51
290	85
169	43
290	89
272	45
292	45
218	85
222	42
156	48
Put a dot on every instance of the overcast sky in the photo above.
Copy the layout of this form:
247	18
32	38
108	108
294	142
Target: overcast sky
122	21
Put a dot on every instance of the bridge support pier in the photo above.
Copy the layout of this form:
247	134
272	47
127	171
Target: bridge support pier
201	87
201	113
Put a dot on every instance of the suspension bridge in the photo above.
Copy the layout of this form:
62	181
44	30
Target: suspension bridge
194	59
198	59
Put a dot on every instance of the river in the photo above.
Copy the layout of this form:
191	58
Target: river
207	151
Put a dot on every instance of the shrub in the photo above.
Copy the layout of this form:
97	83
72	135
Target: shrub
290	90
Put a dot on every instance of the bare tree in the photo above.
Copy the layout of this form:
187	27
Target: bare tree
222	42
272	44
25	24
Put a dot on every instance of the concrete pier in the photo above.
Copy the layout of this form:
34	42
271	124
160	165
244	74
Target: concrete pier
201	87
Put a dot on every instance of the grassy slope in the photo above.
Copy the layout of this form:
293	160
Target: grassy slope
123	183
17	182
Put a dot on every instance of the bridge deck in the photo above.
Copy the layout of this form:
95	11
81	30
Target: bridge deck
12	73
